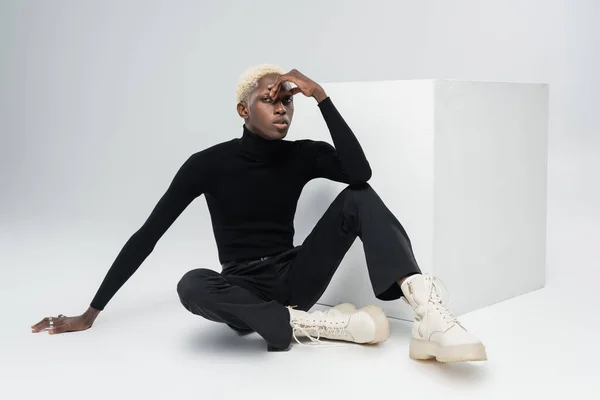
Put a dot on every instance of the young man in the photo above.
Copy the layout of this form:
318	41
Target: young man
252	185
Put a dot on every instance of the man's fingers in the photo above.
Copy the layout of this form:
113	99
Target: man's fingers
296	90
45	323
278	81
60	327
37	323
276	86
294	76
57	329
41	325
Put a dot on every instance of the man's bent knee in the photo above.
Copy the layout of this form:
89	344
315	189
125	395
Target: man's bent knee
358	191
191	286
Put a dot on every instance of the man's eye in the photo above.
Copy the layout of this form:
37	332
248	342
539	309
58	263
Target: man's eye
288	99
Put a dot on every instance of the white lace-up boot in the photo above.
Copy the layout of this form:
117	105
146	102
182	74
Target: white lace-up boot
436	333
365	326
347	308
375	311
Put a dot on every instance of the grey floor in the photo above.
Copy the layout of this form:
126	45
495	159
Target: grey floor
145	345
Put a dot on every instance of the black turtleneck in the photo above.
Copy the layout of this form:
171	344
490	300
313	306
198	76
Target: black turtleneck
252	186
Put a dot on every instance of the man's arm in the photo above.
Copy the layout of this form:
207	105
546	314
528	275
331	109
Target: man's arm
346	162
188	184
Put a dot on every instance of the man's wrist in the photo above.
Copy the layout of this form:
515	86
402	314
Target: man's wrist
90	314
319	94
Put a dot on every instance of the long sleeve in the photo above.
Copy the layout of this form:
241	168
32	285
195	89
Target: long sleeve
345	161
187	185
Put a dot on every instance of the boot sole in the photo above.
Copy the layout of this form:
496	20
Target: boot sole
426	350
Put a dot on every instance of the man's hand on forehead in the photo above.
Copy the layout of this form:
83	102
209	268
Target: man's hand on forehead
304	85
284	89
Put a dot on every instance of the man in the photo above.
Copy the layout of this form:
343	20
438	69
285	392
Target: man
252	185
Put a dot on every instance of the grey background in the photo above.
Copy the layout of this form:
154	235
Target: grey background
101	102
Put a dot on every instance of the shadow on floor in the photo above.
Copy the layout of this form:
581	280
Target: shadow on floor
222	340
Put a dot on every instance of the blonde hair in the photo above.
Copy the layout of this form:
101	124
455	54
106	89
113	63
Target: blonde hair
249	79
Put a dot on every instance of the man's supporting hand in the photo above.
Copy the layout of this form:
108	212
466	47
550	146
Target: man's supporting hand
63	323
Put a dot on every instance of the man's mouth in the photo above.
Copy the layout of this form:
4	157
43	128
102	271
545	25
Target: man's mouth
281	123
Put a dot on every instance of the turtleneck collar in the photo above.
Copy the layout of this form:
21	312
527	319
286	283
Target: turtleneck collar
257	146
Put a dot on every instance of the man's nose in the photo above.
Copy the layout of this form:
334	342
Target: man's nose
279	108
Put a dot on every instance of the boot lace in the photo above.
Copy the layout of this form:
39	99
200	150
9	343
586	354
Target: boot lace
436	299
314	328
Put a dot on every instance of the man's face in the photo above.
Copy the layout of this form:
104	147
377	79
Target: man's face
269	118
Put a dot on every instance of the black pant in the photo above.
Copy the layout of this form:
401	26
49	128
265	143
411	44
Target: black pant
252	296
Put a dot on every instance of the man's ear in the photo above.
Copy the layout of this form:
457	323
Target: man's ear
242	110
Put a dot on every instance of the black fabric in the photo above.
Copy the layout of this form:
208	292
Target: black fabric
252	296
252	186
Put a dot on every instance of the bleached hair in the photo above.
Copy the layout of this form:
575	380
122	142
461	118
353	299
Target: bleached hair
249	80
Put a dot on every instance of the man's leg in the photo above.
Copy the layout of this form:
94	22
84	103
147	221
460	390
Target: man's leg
356	212
393	270
207	293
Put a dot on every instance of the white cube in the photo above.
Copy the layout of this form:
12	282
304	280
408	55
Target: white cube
462	165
